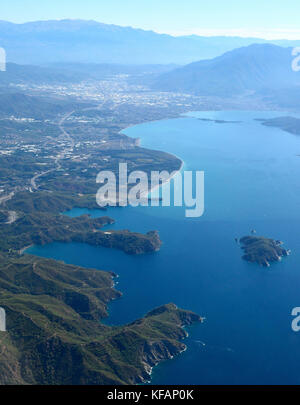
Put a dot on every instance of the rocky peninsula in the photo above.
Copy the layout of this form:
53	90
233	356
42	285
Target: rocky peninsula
54	336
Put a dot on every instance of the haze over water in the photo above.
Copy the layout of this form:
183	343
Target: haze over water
251	182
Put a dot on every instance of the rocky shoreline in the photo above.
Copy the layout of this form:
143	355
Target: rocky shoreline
263	251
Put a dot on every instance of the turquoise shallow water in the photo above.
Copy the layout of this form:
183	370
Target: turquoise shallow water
251	181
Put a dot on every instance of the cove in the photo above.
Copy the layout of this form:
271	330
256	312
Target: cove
251	182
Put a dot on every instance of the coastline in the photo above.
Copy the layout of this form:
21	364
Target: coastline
191	350
168	180
23	250
139	142
174	172
148	366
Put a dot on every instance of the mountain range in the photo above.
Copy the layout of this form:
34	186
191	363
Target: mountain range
80	41
255	68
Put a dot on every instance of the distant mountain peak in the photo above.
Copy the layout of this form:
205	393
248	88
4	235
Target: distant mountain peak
250	68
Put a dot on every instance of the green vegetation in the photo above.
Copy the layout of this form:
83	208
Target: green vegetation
49	160
262	250
79	175
41	228
54	335
55	203
54	310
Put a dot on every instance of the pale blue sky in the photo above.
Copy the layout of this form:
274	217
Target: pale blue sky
264	18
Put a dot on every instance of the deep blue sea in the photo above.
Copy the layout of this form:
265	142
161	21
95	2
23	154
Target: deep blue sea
252	181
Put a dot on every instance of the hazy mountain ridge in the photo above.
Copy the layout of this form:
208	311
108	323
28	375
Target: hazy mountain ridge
92	42
248	69
22	106
35	74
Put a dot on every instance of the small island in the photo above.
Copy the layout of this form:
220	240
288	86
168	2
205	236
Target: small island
219	121
262	251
